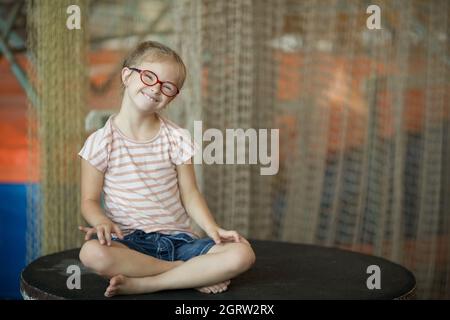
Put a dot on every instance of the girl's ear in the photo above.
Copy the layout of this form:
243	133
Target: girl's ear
125	76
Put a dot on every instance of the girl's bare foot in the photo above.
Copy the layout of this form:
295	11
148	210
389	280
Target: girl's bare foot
120	284
217	288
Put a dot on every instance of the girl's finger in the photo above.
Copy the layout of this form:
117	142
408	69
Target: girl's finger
216	238
233	235
100	235
89	234
84	229
118	232
108	236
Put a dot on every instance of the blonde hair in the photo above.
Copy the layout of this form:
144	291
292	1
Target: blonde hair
155	51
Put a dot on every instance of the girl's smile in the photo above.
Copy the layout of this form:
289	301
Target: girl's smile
149	97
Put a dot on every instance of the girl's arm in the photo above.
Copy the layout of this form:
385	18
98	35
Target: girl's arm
193	200
91	210
196	206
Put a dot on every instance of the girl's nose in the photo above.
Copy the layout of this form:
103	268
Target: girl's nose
156	88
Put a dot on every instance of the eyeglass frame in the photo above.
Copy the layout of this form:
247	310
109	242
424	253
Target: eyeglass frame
141	73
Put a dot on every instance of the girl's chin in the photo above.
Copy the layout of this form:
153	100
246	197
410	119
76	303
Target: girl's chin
145	105
149	108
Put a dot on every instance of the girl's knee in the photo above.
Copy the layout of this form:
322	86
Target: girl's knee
96	256
242	257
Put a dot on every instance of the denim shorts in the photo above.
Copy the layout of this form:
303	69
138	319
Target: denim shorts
181	246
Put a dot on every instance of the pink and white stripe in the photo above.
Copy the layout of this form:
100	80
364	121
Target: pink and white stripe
140	186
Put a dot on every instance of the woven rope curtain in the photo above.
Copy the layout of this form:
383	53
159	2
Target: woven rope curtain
58	69
363	117
224	44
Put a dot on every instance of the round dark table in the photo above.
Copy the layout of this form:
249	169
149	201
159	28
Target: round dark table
282	271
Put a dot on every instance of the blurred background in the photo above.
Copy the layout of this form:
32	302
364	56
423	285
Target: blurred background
363	117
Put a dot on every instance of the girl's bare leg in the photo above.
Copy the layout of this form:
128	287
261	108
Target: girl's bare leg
117	259
109	261
200	271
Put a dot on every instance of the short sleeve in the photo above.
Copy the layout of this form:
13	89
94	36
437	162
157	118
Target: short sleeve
183	148
95	151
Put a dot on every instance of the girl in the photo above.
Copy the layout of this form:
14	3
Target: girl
141	239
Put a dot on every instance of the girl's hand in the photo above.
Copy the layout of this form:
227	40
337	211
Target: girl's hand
103	231
218	234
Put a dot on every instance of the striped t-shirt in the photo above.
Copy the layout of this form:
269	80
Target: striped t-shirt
140	189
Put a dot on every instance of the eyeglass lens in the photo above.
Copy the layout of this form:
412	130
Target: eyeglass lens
150	79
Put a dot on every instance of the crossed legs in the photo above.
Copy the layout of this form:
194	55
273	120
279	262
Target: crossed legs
133	272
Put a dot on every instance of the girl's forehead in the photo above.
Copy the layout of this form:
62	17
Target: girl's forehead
167	70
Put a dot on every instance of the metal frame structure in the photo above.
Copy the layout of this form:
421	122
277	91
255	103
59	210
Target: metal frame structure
11	42
13	39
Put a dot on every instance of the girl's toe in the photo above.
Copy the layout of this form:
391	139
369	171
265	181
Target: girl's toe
204	290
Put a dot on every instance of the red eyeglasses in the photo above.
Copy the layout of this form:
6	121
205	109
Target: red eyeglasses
150	78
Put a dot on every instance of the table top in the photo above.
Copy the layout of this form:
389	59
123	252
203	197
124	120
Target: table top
282	271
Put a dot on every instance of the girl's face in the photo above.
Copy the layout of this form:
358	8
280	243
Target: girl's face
150	98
